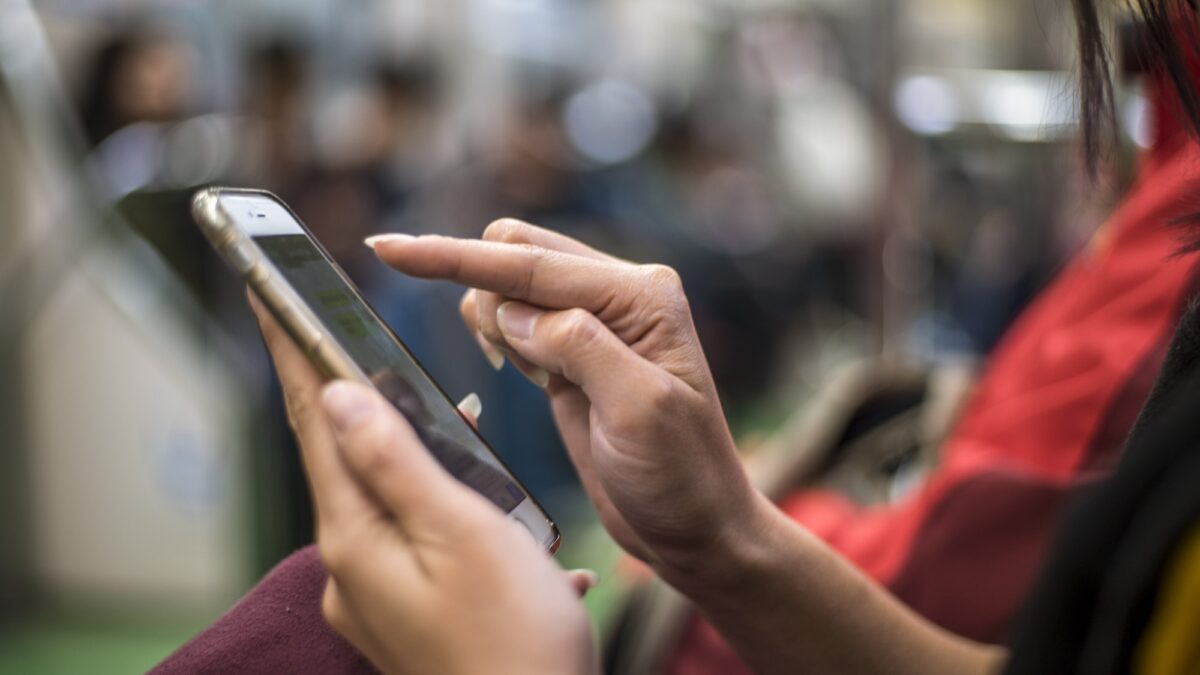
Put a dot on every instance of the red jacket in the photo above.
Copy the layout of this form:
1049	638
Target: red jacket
1050	414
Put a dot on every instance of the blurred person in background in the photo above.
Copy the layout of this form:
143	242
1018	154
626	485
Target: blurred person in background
138	88
139	74
274	148
146	110
426	578
371	142
526	166
743	294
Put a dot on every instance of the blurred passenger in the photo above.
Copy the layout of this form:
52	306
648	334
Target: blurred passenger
274	150
139	74
527	167
373	142
137	87
140	105
714	221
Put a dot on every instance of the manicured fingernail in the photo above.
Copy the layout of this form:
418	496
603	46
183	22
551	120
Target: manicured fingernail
472	406
516	319
493	355
377	239
346	403
537	375
534	374
592	578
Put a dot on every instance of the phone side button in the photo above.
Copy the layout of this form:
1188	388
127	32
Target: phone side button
314	345
332	362
240	256
307	335
258	276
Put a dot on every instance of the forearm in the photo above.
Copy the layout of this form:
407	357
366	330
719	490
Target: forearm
788	603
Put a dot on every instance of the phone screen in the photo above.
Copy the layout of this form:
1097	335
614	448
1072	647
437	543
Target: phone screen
389	366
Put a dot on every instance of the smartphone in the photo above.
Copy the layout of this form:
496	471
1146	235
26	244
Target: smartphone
318	305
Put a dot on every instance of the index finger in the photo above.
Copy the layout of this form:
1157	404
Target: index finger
536	275
513	231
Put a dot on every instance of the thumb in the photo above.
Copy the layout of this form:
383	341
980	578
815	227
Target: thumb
384	453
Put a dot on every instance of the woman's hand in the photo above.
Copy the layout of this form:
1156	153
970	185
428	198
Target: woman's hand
426	576
614	346
637	408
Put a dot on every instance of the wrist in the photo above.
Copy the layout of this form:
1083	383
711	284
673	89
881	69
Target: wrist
739	545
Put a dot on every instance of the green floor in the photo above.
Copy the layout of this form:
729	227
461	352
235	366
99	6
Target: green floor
67	644
76	646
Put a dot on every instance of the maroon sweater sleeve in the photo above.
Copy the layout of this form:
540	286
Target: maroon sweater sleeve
277	628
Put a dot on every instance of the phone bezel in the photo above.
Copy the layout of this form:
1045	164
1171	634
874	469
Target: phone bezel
240	251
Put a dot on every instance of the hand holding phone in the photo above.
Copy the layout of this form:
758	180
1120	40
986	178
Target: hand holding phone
426	575
318	306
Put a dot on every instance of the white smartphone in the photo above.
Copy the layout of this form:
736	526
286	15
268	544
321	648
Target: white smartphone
314	300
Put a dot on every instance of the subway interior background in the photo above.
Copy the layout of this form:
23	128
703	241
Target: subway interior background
834	179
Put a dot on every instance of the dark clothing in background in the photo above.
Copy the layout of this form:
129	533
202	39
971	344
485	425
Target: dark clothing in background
1047	419
1105	578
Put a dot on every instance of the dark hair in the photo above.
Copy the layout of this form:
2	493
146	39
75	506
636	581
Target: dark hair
1172	43
415	80
276	66
96	101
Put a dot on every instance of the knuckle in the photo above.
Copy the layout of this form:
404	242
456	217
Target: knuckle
506	230
298	409
664	278
490	330
659	393
370	446
331	608
336	551
577	327
667	300
652	398
533	274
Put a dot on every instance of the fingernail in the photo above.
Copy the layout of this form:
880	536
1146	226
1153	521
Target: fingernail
346	403
591	576
377	239
534	374
516	319
493	355
472	406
